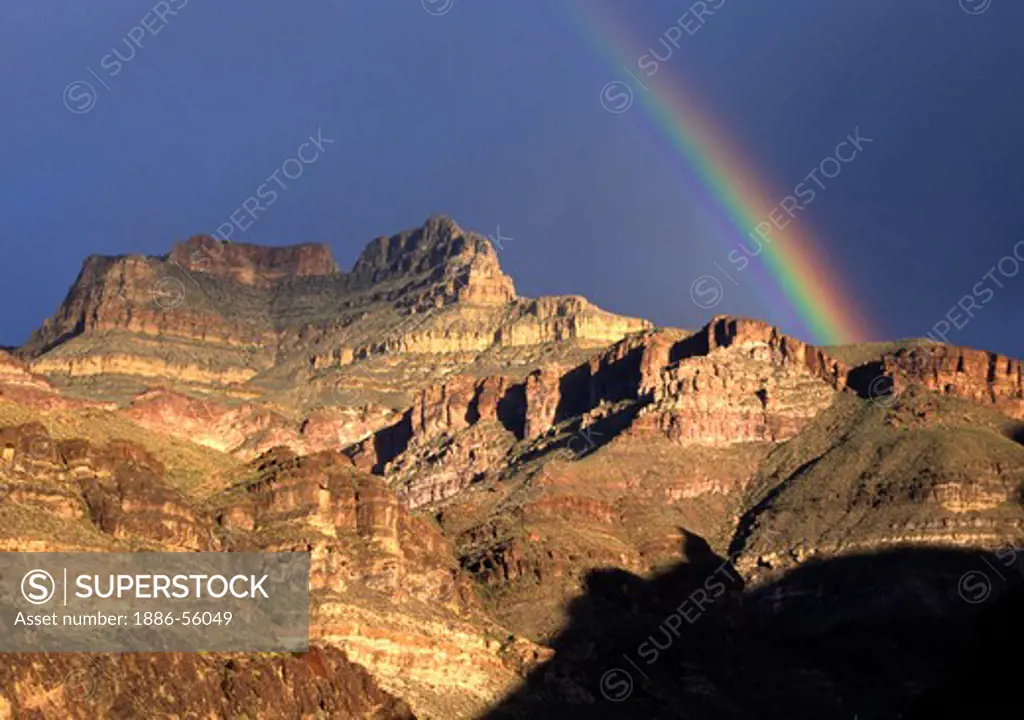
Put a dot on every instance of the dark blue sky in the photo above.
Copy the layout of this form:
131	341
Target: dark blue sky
491	113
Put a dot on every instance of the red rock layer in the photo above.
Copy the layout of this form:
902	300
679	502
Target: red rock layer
119	488
972	374
319	683
253	265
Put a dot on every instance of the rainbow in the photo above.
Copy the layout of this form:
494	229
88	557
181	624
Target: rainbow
794	264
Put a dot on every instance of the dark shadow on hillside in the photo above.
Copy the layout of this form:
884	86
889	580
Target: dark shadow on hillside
36	350
692	346
616	379
872	636
986	680
392	441
869	380
574	444
573	393
511	410
605	429
1016	433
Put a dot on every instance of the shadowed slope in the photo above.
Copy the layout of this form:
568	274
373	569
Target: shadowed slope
865	636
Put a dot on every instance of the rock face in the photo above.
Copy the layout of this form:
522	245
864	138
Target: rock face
211	318
252	265
666	429
753	384
504	493
424	635
295	293
438	462
19	385
242	348
428	641
12	369
732	381
961	372
142	296
246	429
116	492
426	252
321	682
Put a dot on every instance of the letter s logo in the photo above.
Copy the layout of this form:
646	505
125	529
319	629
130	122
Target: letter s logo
41	587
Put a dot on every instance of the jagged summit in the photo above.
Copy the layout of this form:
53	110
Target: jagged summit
438	251
439	239
438	244
228	313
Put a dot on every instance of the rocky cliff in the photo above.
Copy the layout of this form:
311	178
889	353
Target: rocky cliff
211	320
499	494
385	587
321	683
983	377
250	264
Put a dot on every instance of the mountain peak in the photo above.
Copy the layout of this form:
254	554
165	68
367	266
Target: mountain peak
440	249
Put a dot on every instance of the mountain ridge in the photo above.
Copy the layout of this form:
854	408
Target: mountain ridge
467	466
